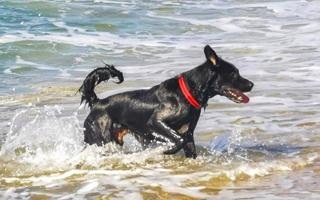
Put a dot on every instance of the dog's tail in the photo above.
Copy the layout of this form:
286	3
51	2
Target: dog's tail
93	79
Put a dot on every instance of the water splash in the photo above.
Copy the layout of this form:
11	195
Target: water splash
46	150
229	146
43	136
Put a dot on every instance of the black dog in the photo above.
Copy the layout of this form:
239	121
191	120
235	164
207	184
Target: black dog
166	112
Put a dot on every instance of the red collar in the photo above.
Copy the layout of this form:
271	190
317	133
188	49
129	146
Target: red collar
187	94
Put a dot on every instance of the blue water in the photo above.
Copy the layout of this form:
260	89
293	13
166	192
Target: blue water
268	149
62	38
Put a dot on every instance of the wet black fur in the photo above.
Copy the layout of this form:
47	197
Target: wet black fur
161	112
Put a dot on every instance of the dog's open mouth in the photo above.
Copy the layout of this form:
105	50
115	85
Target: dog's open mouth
235	95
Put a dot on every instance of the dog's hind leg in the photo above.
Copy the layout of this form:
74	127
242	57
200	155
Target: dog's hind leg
97	129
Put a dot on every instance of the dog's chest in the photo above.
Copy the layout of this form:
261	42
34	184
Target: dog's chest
181	120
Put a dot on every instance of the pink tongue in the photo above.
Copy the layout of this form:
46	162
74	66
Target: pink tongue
245	99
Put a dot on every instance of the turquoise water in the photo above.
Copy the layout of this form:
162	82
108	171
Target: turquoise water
268	149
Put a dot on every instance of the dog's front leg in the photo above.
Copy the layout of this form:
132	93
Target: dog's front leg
157	124
161	128
189	147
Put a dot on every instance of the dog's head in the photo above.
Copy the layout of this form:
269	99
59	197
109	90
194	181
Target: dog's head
225	79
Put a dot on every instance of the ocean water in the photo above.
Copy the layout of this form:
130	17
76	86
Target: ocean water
267	149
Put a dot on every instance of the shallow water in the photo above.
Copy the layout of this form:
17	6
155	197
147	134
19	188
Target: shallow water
267	149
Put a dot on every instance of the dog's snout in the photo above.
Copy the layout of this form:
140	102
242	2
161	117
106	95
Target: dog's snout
250	85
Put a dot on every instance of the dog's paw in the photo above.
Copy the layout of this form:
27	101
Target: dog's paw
171	151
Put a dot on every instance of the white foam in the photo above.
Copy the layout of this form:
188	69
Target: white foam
88	187
43	138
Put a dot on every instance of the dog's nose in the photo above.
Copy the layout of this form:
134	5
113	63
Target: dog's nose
250	85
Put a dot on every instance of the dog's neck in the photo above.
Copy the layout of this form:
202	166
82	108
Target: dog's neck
187	94
198	81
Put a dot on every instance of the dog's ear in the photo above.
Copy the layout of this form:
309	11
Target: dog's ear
210	55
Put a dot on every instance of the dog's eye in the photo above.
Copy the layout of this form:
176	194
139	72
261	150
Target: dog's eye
233	75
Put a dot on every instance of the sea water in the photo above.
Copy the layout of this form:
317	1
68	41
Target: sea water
267	149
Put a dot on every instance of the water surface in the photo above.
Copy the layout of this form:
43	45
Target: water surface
267	149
